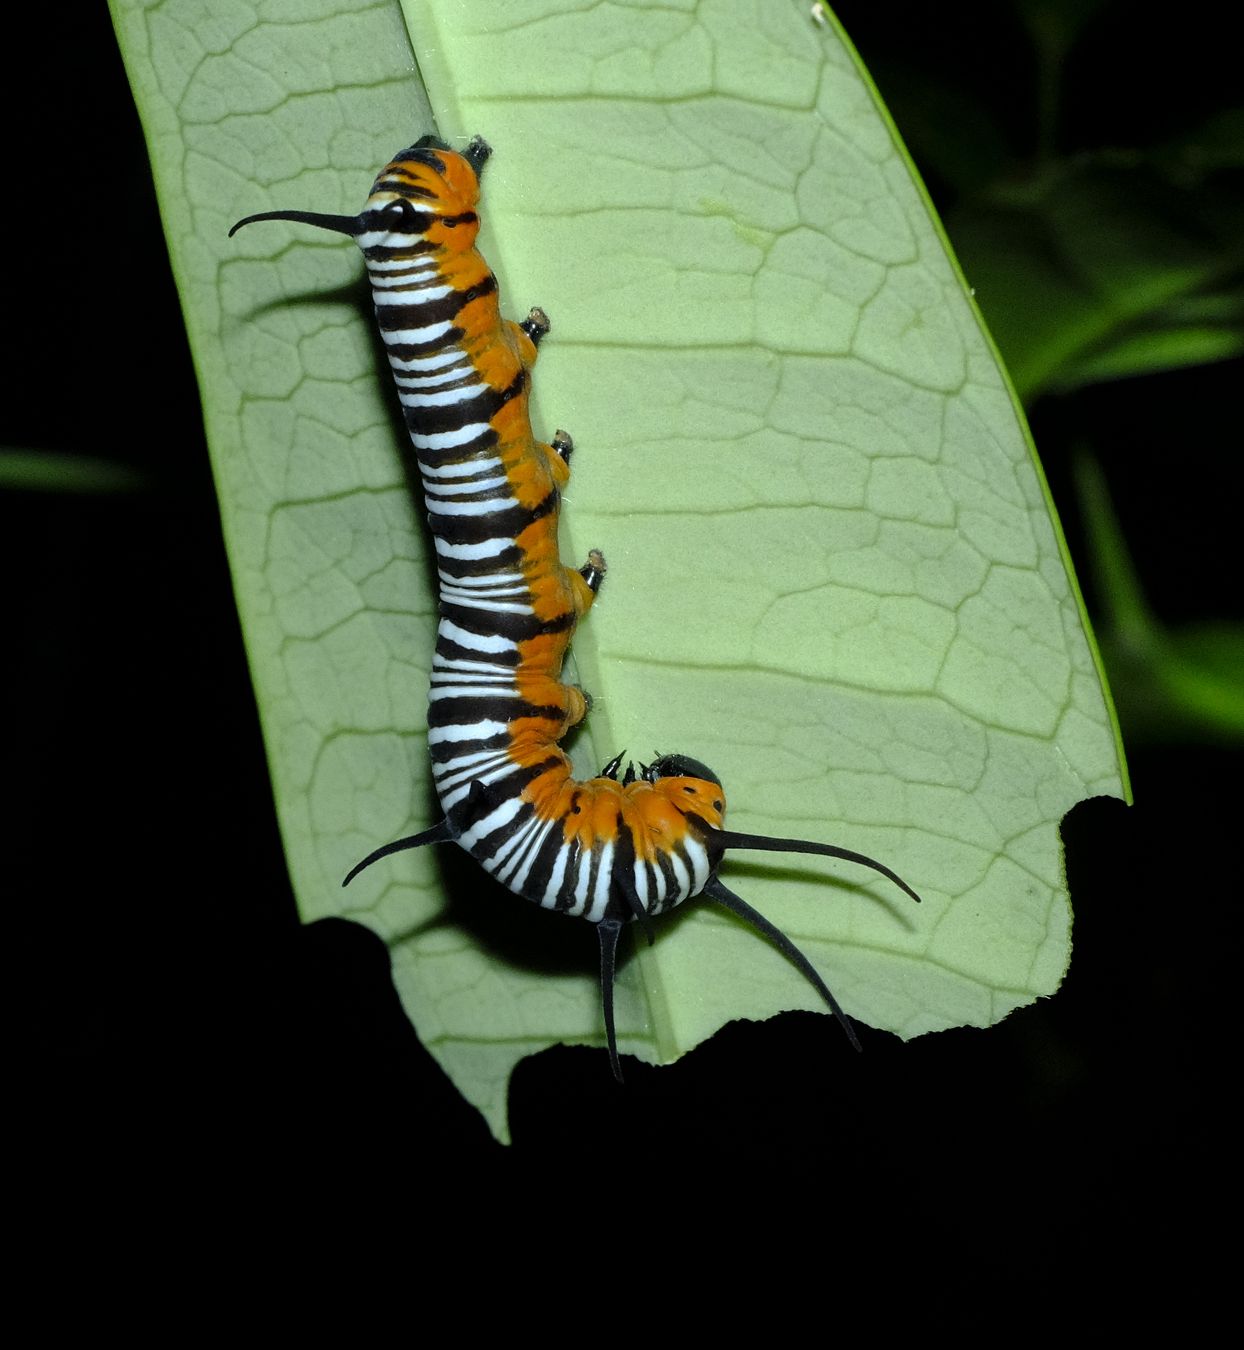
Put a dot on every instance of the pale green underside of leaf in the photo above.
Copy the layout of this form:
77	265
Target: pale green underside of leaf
833	570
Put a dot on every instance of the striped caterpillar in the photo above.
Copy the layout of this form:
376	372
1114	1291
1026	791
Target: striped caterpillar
629	844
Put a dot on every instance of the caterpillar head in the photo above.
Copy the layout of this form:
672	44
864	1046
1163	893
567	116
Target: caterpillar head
423	198
691	787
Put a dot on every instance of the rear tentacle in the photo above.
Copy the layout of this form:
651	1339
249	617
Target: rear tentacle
607	930
766	843
441	833
728	900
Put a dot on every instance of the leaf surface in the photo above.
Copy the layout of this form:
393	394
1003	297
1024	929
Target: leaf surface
834	575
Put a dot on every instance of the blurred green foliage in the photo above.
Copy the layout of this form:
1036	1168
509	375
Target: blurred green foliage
46	471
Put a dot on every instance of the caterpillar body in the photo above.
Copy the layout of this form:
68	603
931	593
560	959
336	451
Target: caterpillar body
631	843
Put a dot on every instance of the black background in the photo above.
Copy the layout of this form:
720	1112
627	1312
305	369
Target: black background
175	1016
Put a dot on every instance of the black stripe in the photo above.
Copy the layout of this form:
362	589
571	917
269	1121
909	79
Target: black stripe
414	224
482	407
513	783
462	453
624	866
673	890
386	253
422	314
541	873
463	495
479	567
505	524
451	750
498	623
430	417
462	377
565	898
416	154
681	849
504	588
407	351
462	711
449	650
486	846
392	181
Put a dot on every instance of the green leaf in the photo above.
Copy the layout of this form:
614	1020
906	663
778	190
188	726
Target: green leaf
1111	265
1181	684
42	471
834	573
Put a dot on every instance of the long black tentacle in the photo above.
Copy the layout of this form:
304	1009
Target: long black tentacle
727	898
766	843
440	833
607	930
339	224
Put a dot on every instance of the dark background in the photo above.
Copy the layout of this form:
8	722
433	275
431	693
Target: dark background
174	1015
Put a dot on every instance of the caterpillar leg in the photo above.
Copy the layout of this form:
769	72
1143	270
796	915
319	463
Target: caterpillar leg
593	571
536	325
585	581
557	454
577	705
528	333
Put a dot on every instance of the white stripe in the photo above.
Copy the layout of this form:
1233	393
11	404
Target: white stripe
604	883
681	876
418	268
475	642
580	883
488	606
555	877
433	361
699	864
409	295
451	440
446	399
398	264
433	381
486	676
451	586
469	691
495	819
370	238
443	508
510	847
410	337
486	548
478	762
486	765
452	788
641	882
450	665
392	279
485	464
473	731
464	487
536	833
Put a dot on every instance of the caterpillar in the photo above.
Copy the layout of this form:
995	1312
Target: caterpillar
635	841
